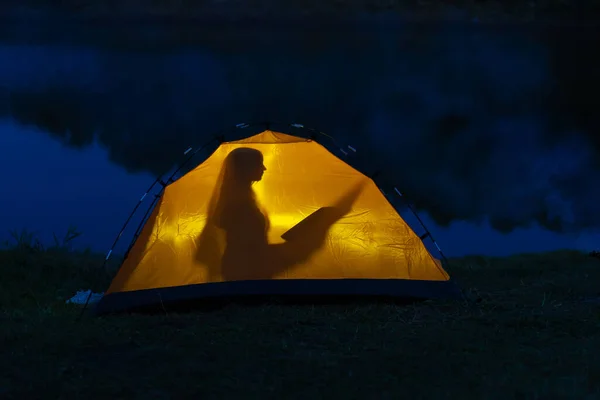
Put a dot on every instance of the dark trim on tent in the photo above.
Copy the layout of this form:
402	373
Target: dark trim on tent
205	293
138	230
220	138
157	181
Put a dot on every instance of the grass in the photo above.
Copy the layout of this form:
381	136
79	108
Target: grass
528	335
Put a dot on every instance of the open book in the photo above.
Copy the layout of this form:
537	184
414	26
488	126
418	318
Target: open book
310	224
322	219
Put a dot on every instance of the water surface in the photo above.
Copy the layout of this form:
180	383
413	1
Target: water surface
474	123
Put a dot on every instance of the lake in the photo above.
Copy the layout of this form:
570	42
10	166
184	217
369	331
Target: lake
485	127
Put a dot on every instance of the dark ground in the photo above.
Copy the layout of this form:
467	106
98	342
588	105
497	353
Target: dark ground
529	334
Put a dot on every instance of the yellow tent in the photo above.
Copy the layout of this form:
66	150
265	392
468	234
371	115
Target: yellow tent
273	214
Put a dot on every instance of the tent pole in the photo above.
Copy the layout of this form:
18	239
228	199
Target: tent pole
267	125
142	223
427	232
170	180
410	206
376	173
157	180
313	132
220	138
110	251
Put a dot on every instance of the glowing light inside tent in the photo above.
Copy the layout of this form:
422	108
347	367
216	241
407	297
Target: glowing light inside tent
367	240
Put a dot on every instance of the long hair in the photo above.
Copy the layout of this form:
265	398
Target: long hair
233	185
229	189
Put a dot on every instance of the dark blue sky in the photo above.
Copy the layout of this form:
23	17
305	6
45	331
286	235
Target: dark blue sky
51	186
474	123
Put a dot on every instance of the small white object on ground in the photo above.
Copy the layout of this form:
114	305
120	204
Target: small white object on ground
82	295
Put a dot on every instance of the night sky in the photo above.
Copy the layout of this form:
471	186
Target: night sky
480	128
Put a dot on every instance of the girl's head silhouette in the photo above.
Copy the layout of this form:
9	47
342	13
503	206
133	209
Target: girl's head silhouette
241	168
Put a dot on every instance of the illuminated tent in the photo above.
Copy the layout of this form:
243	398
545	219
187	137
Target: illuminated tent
213	234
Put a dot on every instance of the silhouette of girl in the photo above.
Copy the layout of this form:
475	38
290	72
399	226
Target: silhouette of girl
237	227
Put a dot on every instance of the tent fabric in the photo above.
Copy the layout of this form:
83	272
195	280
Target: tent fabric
222	223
